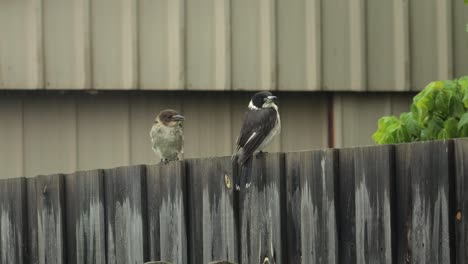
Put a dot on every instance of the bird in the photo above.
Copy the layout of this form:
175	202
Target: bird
260	125
167	135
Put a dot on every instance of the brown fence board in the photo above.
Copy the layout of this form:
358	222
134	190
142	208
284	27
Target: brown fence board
423	172
346	212
261	210
461	200
166	212
13	221
86	239
125	196
311	214
374	177
213	233
50	219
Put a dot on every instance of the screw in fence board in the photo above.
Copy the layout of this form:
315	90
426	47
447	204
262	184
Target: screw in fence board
86	240
422	190
461	201
125	198
311	216
261	210
51	222
374	177
212	219
166	212
346	207
13	221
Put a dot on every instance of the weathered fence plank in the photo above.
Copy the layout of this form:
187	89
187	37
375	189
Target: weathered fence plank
461	200
13	221
346	207
32	247
86	240
166	212
423	172
125	196
311	216
50	219
374	178
261	210
213	233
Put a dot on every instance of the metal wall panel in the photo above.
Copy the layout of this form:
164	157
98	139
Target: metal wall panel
301	45
50	133
355	116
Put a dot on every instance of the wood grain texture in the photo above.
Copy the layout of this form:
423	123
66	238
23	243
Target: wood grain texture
13	221
32	247
125	209
50	219
213	228
461	201
374	176
423	176
311	216
85	223
346	210
261	209
166	201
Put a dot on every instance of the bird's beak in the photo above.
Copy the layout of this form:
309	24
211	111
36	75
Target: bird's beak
271	98
178	118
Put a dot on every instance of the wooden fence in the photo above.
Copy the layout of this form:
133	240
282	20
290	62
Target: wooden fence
385	204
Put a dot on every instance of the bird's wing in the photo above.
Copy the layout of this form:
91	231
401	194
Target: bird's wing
257	125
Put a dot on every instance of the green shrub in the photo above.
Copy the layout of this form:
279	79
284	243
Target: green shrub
440	111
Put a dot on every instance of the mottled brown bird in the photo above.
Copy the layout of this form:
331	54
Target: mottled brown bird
167	135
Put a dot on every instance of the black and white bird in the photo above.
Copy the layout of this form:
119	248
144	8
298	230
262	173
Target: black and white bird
261	123
167	135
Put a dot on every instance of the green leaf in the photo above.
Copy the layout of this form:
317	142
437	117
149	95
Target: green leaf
463	121
450	129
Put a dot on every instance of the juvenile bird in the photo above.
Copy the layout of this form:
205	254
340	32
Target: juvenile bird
261	123
167	135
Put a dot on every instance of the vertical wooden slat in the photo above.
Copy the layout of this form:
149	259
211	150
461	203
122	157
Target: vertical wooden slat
346	209
461	201
222	31
213	233
85	223
176	44
374	175
401	45
357	48
166	201
83	43
13	221
311	216
267	44
125	209
261	210
50	219
424	217
444	40
313	52
32	228
35	49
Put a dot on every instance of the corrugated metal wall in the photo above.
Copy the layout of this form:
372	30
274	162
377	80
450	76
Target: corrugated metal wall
240	44
48	132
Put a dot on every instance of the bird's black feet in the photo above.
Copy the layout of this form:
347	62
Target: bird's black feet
259	154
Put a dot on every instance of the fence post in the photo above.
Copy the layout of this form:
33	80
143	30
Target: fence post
311	220
423	220
261	210
212	219
166	196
